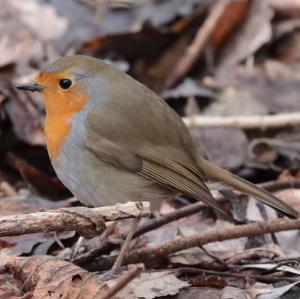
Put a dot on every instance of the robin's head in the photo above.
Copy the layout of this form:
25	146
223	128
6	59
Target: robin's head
66	83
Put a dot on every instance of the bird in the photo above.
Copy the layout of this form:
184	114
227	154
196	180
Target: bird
111	140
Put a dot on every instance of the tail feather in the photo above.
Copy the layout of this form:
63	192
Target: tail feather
215	173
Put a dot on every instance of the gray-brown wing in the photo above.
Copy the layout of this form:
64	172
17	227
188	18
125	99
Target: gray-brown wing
151	165
135	117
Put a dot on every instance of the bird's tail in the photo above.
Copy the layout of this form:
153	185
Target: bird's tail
217	174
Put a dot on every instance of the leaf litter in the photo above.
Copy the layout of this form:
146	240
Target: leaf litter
249	66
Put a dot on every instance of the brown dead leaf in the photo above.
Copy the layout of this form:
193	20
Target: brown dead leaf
198	293
210	281
272	87
251	292
39	180
225	147
233	15
26	118
247	39
48	277
151	285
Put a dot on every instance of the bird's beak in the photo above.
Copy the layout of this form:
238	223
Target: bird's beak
33	86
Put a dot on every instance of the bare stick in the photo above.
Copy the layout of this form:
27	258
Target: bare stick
244	122
88	222
195	50
152	224
148	226
150	254
172	216
123	281
273	186
266	278
231	232
191	209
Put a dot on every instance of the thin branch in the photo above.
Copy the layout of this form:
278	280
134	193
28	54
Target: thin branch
274	186
122	282
151	254
148	226
88	222
266	278
152	224
172	216
231	232
245	121
195	50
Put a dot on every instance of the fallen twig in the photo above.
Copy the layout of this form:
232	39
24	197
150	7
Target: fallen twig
231	232
122	282
194	51
271	186
150	254
152	224
244	121
265	278
88	222
172	216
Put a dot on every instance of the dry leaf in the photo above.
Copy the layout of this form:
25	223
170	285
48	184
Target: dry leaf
276	293
151	285
225	147
41	181
48	277
198	293
235	293
248	39
233	15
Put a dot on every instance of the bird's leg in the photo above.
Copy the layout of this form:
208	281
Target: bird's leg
124	249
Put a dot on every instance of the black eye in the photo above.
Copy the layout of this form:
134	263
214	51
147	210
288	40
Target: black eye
65	83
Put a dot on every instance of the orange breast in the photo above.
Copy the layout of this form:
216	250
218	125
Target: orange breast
60	106
57	129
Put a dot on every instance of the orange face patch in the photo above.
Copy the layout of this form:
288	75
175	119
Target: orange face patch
60	105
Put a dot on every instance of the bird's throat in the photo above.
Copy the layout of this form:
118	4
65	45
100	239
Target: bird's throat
57	130
58	120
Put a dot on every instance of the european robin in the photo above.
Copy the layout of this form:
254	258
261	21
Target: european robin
112	140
